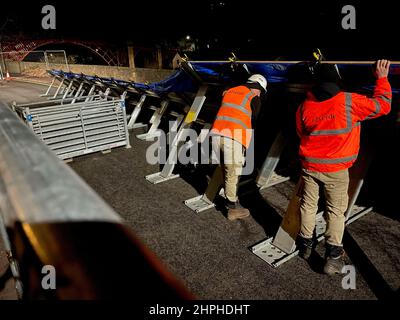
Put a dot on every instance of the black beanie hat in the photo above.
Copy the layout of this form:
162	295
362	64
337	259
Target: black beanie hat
326	72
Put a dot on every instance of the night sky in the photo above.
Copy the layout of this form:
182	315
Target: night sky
251	29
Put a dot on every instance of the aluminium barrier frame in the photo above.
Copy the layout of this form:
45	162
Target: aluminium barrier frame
79	128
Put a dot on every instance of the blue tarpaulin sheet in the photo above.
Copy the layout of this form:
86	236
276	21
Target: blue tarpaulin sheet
355	76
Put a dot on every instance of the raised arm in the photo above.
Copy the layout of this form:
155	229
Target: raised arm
365	108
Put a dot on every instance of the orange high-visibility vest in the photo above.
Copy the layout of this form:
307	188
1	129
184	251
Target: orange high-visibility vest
330	130
234	116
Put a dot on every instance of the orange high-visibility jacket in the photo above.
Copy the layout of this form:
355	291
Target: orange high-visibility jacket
330	130
234	116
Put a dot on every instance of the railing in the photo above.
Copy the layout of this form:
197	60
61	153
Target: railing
57	226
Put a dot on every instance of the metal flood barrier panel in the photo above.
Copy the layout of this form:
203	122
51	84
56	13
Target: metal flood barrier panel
75	129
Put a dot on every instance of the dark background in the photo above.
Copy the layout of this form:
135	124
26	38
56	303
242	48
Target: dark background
252	29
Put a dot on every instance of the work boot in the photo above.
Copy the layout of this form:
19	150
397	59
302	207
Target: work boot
305	247
236	211
334	259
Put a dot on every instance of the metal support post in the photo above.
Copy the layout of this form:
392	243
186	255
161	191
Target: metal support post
166	173
71	93
78	92
135	114
67	91
90	94
82	93
58	89
49	88
155	121
122	104
267	176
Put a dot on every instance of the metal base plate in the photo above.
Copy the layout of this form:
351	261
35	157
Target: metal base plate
138	125
274	180
357	213
271	254
268	251
156	178
148	136
199	204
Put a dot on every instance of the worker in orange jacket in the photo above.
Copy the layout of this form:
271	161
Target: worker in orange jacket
231	135
328	123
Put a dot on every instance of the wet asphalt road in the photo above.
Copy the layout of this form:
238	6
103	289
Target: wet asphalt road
209	253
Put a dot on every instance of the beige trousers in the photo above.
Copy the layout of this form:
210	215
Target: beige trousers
335	186
231	155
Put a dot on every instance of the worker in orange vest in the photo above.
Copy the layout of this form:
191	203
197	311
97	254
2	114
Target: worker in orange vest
328	123
231	135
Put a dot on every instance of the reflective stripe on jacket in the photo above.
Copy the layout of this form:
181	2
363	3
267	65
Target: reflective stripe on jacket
234	116
329	130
